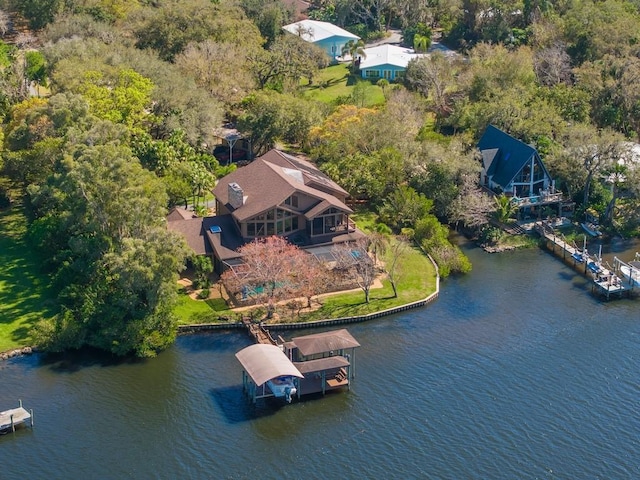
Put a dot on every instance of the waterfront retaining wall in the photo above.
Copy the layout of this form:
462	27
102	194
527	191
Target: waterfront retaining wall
194	328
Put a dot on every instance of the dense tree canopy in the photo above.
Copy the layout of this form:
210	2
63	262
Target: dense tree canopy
133	92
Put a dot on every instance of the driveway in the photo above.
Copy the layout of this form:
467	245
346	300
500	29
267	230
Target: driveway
394	37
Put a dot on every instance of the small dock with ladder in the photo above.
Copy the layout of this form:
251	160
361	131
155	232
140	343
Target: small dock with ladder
14	417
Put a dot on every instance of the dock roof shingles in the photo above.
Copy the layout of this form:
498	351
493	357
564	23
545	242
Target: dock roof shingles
325	342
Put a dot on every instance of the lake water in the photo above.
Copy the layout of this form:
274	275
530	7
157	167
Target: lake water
515	372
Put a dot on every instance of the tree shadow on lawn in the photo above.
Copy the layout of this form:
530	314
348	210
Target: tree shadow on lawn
25	297
217	304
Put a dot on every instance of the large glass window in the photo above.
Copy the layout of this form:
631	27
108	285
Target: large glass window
275	222
330	221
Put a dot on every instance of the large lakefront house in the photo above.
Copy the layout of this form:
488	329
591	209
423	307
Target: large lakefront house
514	168
276	194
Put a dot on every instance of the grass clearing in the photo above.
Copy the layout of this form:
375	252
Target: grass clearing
25	296
335	83
189	310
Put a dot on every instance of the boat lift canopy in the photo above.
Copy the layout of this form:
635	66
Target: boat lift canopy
263	362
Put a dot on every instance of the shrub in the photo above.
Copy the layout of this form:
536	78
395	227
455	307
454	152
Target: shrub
204	294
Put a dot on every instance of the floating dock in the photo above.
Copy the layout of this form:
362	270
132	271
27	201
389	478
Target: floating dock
12	418
606	282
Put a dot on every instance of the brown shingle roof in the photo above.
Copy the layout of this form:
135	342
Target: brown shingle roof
226	242
312	175
198	235
193	233
263	189
325	342
179	213
266	185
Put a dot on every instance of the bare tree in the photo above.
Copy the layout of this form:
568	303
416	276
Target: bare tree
471	206
273	270
398	248
267	271
354	258
310	278
5	23
553	65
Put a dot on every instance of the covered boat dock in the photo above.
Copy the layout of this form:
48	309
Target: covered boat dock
326	359
309	364
265	369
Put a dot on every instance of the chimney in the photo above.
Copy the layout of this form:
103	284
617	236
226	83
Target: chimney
236	195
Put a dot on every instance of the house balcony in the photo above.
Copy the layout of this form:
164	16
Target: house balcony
543	199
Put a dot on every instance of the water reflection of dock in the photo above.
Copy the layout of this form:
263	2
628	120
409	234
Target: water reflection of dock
607	282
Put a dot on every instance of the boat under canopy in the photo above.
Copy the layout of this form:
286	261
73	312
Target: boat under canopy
270	373
263	362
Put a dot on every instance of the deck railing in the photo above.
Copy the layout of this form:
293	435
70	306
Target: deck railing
537	199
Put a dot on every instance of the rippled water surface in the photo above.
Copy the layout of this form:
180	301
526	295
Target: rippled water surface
516	371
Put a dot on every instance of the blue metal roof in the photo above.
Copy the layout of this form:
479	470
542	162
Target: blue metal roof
503	156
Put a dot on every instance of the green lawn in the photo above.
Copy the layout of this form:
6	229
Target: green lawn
335	82
199	311
417	280
24	294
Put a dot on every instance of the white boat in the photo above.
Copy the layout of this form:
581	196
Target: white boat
591	229
631	272
282	387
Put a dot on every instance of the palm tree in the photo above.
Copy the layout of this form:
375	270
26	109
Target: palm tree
421	43
355	49
504	208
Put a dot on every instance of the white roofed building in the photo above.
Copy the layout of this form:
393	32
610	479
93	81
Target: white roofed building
386	61
327	36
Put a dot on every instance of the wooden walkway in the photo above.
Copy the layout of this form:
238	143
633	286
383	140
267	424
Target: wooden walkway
10	419
258	332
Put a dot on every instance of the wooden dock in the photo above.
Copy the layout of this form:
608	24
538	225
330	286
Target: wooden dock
259	333
10	419
606	282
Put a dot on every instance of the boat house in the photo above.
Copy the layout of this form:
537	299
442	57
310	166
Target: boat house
305	365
